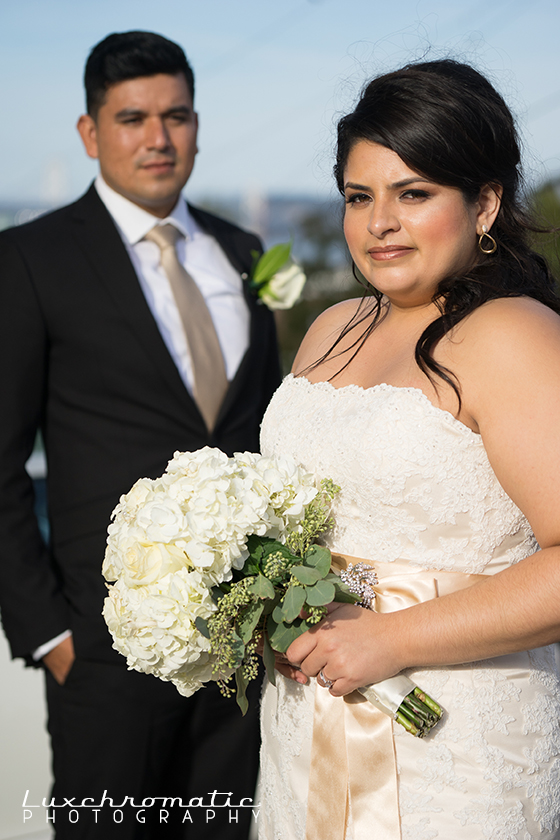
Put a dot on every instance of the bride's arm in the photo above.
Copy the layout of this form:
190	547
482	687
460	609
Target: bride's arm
507	358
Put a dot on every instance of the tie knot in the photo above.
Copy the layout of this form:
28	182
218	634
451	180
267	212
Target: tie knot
164	236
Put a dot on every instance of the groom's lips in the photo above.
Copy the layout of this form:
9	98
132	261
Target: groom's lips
159	166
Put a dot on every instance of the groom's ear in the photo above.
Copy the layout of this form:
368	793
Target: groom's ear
88	132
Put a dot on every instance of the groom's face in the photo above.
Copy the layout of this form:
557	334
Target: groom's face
144	136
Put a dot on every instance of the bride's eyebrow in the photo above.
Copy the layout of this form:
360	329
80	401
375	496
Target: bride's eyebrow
407	181
351	186
397	185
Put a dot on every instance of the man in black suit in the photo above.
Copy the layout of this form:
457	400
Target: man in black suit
94	352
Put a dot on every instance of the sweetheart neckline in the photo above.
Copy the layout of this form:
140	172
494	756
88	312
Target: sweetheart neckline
386	386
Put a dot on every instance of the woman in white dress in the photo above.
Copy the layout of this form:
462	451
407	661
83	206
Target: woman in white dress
435	404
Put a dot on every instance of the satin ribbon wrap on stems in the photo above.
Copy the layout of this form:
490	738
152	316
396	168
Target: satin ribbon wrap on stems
353	762
388	695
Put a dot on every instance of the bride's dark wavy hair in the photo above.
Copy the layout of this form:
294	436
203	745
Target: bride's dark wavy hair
447	122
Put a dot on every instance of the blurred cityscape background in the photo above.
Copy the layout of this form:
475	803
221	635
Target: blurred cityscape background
272	79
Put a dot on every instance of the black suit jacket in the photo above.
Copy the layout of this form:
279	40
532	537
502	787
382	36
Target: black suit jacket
81	357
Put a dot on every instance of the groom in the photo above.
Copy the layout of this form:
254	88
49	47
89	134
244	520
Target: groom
100	349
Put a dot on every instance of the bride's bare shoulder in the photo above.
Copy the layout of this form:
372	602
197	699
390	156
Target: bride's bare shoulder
325	330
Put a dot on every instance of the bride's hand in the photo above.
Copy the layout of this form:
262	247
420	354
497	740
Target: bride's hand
284	666
351	646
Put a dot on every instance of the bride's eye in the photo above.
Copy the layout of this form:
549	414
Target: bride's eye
357	198
415	195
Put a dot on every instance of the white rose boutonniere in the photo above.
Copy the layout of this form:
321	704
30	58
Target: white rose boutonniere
276	278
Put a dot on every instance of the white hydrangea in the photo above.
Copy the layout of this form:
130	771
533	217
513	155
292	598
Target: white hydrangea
153	626
287	487
175	537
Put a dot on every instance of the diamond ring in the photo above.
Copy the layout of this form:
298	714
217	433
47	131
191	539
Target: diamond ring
325	680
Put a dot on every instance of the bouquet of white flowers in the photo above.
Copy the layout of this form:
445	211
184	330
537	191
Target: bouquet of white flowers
216	556
173	539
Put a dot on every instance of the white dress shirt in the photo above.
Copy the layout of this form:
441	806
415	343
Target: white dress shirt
209	267
203	259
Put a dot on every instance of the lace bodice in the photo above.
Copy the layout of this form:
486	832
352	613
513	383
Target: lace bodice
410	473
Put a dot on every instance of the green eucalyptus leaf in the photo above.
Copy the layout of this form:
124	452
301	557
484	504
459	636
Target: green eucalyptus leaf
255	543
293	601
270	605
252	567
253	562
343	594
321	593
306	574
248	620
269	660
241	698
274	547
261	586
218	592
201	625
238	649
282	636
271	262
305	625
278	614
320	558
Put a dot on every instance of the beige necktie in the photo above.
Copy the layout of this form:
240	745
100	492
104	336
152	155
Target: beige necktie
210	381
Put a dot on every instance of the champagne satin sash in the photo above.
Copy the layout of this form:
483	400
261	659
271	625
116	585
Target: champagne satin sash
353	764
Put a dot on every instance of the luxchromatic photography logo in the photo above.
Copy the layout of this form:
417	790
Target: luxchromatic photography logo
213	807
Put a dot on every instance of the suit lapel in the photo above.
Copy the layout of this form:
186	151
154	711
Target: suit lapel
101	242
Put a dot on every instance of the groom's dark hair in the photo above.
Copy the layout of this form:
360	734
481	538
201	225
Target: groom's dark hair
128	55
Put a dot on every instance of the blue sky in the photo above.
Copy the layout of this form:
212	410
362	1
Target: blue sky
271	79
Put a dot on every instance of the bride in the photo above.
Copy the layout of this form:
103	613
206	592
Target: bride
435	404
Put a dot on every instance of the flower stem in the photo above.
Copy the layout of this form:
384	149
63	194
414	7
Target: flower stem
418	713
431	704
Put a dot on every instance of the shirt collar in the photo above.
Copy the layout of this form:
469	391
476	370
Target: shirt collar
134	222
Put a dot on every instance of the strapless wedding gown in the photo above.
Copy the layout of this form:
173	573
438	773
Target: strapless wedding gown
417	486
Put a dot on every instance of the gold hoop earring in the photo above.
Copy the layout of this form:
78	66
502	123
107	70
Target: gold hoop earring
493	244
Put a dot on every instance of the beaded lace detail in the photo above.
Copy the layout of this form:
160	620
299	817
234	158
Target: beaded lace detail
417	486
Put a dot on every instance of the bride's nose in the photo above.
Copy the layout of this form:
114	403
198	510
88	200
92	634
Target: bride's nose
382	219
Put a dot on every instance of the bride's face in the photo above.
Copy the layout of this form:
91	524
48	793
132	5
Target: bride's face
405	233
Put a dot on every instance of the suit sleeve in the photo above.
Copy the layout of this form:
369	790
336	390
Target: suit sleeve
32	607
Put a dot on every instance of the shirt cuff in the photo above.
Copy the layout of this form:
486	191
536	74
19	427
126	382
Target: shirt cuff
48	646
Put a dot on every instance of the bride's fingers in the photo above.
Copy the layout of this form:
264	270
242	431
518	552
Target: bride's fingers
301	648
290	672
334	606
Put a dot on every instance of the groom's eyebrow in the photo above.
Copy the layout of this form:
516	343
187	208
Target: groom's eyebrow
125	113
129	112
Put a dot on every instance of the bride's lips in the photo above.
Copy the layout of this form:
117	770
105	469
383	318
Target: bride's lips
389	252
